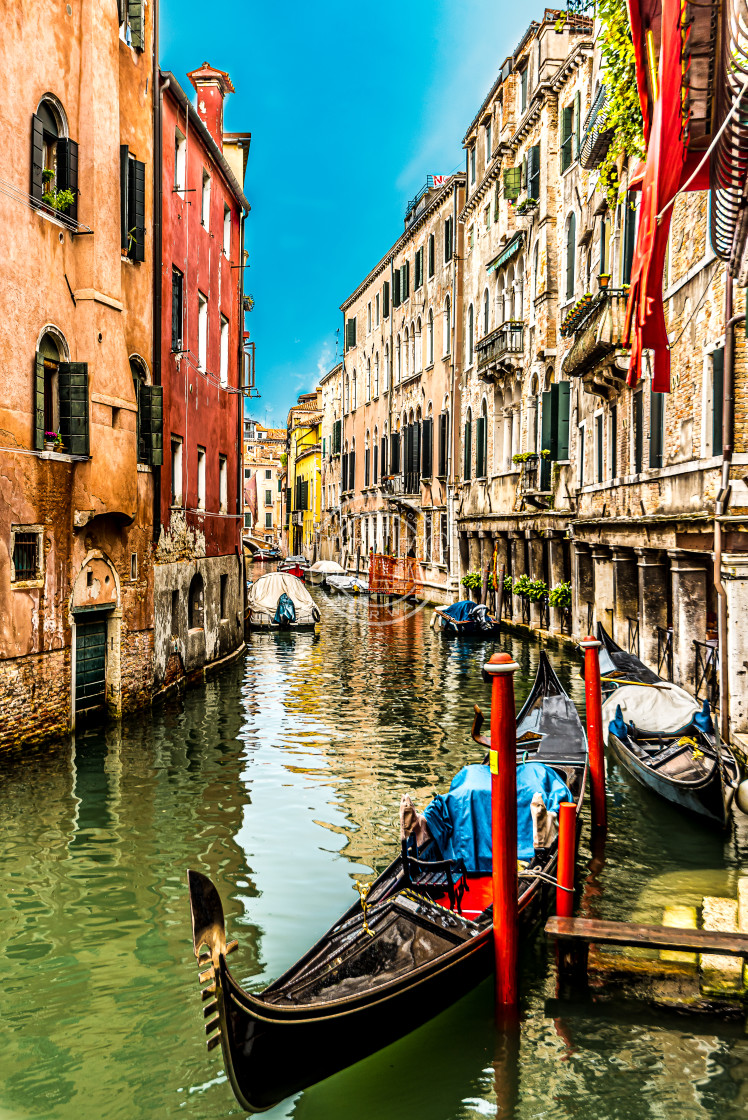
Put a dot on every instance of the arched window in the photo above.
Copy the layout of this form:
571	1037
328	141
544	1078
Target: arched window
139	372
368	379
386	367
48	357
535	273
430	339
486	312
406	353
481	442
54	158
508	293
376	375
367	459
518	293
470	335
353	391
398	362
418	364
467	445
347	401
196	603
498	430
412	366
447	336
571	244
375	458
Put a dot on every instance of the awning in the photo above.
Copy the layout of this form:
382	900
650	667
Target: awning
513	247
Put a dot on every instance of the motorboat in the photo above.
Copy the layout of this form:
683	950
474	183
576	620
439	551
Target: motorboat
348	584
319	571
280	601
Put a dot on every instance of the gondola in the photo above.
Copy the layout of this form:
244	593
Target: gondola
415	942
665	738
464	618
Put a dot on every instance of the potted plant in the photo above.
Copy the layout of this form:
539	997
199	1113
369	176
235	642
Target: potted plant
58	200
50	440
47	177
603	279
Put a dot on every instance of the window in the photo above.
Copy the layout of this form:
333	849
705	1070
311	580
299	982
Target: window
223	484
638	443
205	201
447	329
180	163
487	217
605	245
54	157
268	520
176	471
201	478
713	401
488	143
150	405
430	339
472	166
580	479
376	310
386	368
226	231
132	205
443	437
195	603
448	240
656	429
202	332
177	309
470	338
268	474
523	90
376	375
368	379
613	441
419	268
26	553
368	317
444	535
468	448
224	351
599	447
427	447
353	389
570	133
486	311
427	538
175	614
61	398
386	299
471	236
431	255
405	281
133	566
571	236
533	172
223	602
481	443
630	213
350	333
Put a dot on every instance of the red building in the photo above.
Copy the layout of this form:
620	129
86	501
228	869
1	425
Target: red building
199	577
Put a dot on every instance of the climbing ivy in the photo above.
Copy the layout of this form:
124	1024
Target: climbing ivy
623	111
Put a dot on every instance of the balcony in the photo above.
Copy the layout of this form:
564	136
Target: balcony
501	350
596	138
598	351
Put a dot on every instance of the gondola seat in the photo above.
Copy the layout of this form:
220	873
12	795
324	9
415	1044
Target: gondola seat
435	877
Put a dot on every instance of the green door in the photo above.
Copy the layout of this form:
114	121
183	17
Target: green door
90	667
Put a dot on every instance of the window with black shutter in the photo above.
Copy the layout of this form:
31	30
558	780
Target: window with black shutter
132	204
305	494
352	470
419	268
383	457
533	172
336	427
396	301
367	465
427	453
571	248
447	240
443	430
385	299
177	309
395	453
638	431
567	133
54	162
350	333
432	255
405	281
468	447
480	447
73	390
656	429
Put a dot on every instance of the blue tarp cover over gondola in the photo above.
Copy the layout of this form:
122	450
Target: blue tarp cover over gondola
460	821
461	611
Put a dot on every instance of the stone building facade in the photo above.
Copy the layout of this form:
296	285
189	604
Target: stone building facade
199	563
331	386
401	393
304	476
79	412
264	455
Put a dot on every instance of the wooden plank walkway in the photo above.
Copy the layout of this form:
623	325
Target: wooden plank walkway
586	930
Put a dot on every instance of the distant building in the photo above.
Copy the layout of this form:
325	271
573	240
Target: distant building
199	578
264	457
303	485
79	410
330	429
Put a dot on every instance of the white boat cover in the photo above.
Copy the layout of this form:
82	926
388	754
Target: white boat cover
328	566
665	708
263	596
349	583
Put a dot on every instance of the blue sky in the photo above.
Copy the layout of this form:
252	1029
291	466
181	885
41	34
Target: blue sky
350	108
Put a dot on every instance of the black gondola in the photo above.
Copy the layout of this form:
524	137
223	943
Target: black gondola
465	618
689	765
411	947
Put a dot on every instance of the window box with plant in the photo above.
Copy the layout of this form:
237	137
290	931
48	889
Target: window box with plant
56	199
560	596
53	441
526	206
533	589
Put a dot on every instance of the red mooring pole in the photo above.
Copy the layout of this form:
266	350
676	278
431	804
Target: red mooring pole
503	763
593	698
567	844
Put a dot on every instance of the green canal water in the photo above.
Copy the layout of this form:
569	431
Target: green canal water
281	779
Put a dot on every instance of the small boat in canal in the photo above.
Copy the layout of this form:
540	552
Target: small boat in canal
664	738
464	618
280	601
417	940
348	584
322	569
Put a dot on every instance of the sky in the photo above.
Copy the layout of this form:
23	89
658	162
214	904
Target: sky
350	108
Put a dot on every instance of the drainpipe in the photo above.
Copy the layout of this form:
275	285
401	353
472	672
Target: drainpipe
240	418
158	202
451	487
723	501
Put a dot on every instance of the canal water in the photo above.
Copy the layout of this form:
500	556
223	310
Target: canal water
281	779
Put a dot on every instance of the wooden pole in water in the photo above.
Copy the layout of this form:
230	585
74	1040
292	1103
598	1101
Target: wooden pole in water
503	764
594	704
567	836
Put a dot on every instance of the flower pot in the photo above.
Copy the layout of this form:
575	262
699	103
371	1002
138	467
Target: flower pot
49	445
603	280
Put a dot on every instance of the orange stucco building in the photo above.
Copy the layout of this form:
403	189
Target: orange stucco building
80	417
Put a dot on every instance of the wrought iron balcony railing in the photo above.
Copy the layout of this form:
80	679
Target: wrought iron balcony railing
501	344
597	137
598	332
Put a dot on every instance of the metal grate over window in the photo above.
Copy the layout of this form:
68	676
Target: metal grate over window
26	555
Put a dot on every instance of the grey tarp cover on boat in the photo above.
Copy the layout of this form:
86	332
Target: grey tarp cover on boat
263	596
664	709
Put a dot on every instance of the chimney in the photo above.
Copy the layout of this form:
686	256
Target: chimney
211	87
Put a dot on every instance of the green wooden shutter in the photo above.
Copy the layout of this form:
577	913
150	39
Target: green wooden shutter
718	377
523	176
571	240
350	329
468	451
656	429
577	123
72	381
443	420
367	460
533	172
480	447
154	432
427	456
432	264
385	299
563	397
566	126
67	173
124	160
136	209
512	181
135	13
383	458
39	401
37	157
548	431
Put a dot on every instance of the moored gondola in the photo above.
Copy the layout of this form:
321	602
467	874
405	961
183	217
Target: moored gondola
465	618
665	738
418	939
